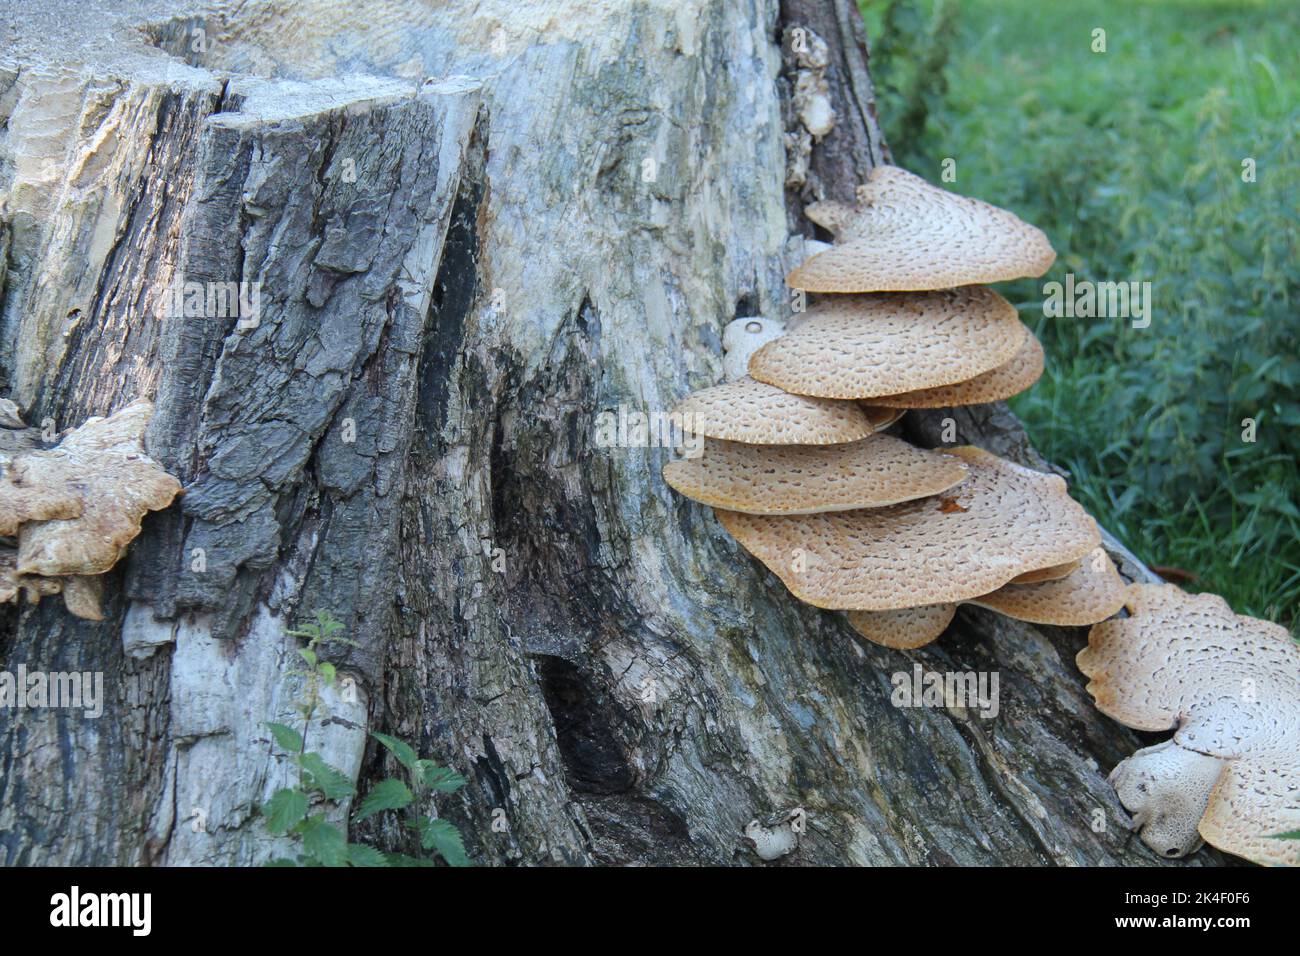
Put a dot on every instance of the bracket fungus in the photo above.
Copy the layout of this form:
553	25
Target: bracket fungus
1091	592
1229	687
29	491
75	507
799	479
903	234
1002	521
1011	378
760	414
1053	573
880	417
896	535
863	346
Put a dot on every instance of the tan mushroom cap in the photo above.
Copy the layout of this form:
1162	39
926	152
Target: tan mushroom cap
1054	573
1002	521
1230	685
1251	803
24	496
82	596
1212	650
32	489
902	234
864	346
806	479
881	418
1011	378
104	461
905	629
759	414
1091	593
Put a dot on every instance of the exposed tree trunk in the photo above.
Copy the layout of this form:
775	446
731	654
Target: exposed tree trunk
463	274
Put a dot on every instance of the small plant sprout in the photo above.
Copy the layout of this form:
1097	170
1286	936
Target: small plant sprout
301	811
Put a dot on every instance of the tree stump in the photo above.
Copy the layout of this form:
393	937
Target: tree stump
471	230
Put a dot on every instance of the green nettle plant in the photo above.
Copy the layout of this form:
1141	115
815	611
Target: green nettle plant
301	811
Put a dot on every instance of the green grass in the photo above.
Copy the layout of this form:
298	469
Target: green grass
1130	160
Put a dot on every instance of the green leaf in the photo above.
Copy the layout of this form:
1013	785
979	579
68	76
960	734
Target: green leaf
331	783
287	738
307	654
327	671
387	795
280	861
327	623
403	751
442	836
361	855
1289	835
323	841
442	779
285	808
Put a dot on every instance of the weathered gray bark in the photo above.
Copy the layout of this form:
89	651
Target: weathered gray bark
565	233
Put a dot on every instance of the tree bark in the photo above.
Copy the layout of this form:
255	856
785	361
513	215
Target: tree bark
457	277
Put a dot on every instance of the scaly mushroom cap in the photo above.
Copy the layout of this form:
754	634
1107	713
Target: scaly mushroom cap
1011	378
903	234
1092	592
741	339
33	490
905	629
104	462
1254	801
1002	521
1230	684
864	346
1166	789
24	496
881	418
759	414
806	479
1054	573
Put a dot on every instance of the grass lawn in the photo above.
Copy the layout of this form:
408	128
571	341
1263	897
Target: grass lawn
1132	161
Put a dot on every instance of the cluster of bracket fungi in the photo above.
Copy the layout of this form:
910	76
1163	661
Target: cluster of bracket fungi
68	512
799	470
